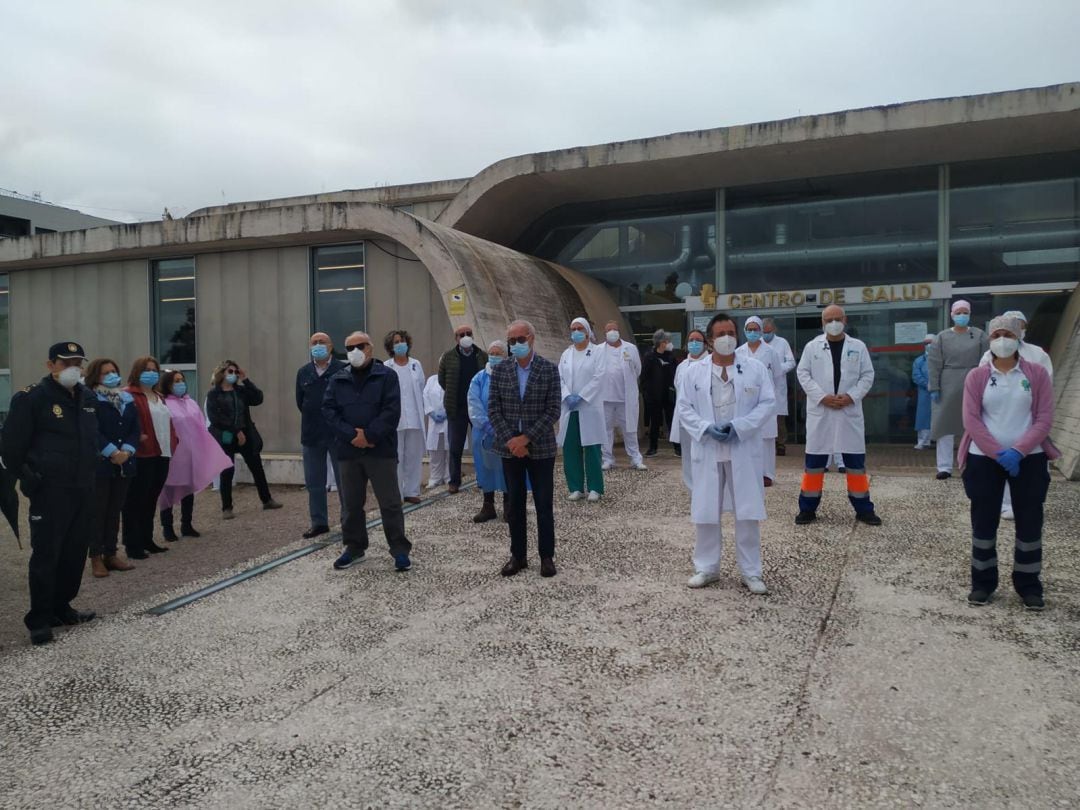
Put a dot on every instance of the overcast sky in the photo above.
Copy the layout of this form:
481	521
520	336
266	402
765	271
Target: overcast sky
122	108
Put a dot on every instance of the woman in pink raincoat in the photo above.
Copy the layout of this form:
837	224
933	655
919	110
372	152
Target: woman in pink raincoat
197	460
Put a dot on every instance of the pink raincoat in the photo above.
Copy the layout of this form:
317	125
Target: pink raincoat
197	459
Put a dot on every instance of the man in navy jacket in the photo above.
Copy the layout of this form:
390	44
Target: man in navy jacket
315	436
362	407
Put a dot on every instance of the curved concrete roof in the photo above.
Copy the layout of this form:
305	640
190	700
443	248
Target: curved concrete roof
505	198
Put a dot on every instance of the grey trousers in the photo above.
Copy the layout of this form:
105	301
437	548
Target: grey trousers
382	473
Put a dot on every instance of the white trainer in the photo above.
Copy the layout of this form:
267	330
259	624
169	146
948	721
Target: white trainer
701	579
576	496
755	584
1007	513
606	466
640	466
594	496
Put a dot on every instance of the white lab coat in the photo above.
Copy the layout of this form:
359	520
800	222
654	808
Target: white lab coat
585	381
628	359
829	430
415	392
680	371
433	401
768	356
787	364
755	403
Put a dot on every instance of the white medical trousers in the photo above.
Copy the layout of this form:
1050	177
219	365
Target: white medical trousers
710	539
410	451
945	453
615	415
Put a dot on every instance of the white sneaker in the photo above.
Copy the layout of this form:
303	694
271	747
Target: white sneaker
755	584
607	465
576	496
640	466
1007	514
433	484
593	496
701	579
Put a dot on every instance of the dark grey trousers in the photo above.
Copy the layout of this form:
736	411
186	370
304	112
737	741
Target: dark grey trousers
382	473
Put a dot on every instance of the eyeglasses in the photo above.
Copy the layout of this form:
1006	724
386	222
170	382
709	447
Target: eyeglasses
465	333
511	341
232	371
360	346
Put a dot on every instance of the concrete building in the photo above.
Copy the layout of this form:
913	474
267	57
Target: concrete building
891	210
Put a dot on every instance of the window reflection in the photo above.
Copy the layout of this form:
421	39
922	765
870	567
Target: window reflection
339	286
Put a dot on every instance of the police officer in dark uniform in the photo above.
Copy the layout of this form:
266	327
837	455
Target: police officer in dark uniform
49	441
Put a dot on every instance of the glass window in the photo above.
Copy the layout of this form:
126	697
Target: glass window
174	311
339	291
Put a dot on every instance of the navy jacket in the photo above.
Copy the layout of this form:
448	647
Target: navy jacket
373	404
537	413
116	431
310	390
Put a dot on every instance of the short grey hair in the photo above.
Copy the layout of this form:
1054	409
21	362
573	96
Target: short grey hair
528	326
497	344
659	336
768	321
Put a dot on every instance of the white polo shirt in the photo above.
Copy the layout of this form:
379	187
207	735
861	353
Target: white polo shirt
1006	407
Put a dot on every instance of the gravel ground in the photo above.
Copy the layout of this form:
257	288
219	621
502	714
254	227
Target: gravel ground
863	679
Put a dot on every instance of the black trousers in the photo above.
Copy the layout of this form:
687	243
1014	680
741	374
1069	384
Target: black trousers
457	429
187	507
356	473
519	472
984	483
254	463
109	496
657	414
140	505
59	517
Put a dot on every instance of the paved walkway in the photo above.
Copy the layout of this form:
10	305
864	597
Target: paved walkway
863	679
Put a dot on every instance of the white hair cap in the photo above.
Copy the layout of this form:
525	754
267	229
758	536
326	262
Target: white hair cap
585	325
753	319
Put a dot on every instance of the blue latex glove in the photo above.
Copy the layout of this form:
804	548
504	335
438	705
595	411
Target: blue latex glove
719	432
935	396
573	402
439	416
1010	460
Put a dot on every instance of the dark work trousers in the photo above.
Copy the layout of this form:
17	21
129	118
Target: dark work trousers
187	507
657	415
858	482
540	472
109	495
781	433
59	521
382	474
254	463
984	483
457	429
140	505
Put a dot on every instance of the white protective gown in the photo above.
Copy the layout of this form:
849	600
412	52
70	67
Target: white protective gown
583	378
768	357
829	430
787	364
675	437
755	403
626	360
433	401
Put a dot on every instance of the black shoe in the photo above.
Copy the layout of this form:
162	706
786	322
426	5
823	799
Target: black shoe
271	504
137	555
941	476
169	534
513	565
869	518
189	531
678	451
72	617
43	635
842	470
547	567
315	531
781	451
978	597
650	452
154	548
1033	601
803	518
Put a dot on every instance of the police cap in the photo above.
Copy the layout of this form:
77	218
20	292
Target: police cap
66	350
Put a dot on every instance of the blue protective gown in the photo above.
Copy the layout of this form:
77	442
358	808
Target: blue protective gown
921	377
489	472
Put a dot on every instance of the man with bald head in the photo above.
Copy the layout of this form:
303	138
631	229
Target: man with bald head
362	408
315	437
836	373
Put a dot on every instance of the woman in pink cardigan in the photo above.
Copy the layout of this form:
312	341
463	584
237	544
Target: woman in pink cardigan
1008	411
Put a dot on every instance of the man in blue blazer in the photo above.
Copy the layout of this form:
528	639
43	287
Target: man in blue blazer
315	436
523	406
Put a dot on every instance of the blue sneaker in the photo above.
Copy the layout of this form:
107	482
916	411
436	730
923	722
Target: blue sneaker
348	559
401	562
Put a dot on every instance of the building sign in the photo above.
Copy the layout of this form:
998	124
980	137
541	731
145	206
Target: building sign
844	296
457	301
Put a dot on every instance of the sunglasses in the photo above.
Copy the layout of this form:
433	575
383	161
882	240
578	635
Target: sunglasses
511	341
360	346
466	333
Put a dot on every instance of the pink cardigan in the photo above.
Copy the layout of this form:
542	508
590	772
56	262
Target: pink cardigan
1042	413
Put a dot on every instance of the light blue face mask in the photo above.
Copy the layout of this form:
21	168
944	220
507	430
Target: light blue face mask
695	347
149	378
319	352
961	319
231	379
494	359
111	380
401	349
577	337
520	350
180	389
752	335
769	336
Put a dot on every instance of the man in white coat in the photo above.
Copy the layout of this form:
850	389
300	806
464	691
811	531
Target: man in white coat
836	373
722	406
782	348
761	351
622	369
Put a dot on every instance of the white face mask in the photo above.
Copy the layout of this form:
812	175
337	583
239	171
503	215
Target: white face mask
1004	346
725	345
70	376
466	342
358	358
612	336
834	328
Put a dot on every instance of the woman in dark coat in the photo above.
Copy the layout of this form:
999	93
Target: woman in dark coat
228	409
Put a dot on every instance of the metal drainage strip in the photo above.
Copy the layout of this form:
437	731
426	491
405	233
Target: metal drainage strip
269	565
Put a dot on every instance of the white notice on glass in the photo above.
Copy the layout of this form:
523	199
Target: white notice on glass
912	332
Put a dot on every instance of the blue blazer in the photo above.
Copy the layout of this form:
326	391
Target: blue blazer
374	405
117	430
536	413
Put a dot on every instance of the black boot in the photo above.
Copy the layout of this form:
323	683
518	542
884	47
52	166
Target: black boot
167	526
487	511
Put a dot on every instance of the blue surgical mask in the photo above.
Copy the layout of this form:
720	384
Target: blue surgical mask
520	350
319	352
577	337
696	347
179	389
494	359
960	319
769	336
111	380
149	378
401	349
231	379
752	335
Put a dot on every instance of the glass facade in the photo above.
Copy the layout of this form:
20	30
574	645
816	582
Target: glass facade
339	291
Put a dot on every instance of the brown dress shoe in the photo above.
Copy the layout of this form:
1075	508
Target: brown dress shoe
547	567
768	481
97	567
115	563
453	489
486	513
411	499
513	565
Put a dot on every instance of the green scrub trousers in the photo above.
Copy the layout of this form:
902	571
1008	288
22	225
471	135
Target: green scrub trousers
581	463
